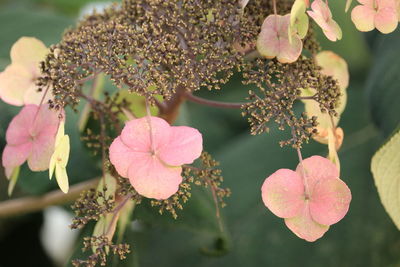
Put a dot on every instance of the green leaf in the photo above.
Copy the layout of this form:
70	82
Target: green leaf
385	167
383	83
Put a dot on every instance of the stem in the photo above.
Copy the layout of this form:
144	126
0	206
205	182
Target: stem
171	107
116	213
25	205
212	103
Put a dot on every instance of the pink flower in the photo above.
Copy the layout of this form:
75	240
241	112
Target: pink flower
18	80
273	40
322	15
380	14
150	152
309	205
30	136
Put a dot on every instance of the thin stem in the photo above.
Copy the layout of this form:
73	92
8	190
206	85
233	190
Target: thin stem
25	205
212	103
116	213
274	4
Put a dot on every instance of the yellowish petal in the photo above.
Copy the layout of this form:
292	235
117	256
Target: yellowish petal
28	50
60	132
63	150
15	80
62	178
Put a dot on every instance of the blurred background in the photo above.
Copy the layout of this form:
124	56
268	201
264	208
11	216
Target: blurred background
252	235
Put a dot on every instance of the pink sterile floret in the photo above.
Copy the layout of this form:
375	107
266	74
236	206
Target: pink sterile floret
380	14
322	15
309	205
150	152
30	136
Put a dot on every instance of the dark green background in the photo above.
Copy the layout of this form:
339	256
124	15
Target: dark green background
253	236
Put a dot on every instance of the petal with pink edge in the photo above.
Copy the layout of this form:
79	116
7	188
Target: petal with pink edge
267	41
185	145
122	157
283	193
18	131
15	80
140	137
386	20
14	156
333	31
363	18
290	52
317	168
304	227
153	179
27	50
329	201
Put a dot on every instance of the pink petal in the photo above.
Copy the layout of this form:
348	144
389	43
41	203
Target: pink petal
283	193
386	19
367	3
363	18
392	4
330	201
15	80
185	145
317	168
318	19
122	157
18	131
304	227
14	156
136	134
42	149
46	121
153	179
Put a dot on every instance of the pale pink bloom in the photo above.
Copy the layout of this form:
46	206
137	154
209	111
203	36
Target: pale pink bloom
18	80
371	14
308	204
150	153
322	15
273	40
30	136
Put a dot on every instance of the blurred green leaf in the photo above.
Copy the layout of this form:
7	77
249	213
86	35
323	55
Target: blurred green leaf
15	23
383	84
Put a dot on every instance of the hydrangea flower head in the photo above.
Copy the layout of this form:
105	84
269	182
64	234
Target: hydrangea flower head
30	136
18	80
273	40
322	15
150	153
371	14
308	204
